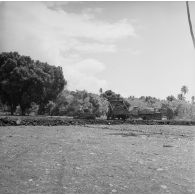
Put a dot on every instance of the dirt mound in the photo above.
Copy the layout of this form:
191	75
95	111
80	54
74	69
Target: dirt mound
56	121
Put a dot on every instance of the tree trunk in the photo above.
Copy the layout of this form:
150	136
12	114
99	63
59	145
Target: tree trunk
23	112
190	24
12	110
41	110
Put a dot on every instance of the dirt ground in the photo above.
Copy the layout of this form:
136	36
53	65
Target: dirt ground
97	159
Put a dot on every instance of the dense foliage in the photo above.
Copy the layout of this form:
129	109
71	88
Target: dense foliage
24	81
28	86
71	103
74	102
172	108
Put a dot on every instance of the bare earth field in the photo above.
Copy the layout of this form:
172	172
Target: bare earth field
97	159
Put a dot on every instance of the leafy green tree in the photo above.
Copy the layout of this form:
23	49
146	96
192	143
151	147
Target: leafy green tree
131	97
109	94
52	86
150	100
167	111
171	98
184	110
23	81
51	108
73	102
142	98
180	96
99	104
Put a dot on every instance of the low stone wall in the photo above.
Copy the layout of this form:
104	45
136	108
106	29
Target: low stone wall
55	121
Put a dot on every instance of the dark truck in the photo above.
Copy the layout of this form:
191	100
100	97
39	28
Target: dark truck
117	109
145	114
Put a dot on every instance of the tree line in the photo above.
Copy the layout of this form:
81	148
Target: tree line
33	87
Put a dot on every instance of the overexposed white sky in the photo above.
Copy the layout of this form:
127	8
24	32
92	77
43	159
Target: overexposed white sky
132	48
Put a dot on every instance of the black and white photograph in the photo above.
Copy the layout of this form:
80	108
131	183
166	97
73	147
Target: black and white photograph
97	97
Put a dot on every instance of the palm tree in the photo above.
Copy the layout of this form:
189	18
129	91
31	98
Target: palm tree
190	24
193	98
184	89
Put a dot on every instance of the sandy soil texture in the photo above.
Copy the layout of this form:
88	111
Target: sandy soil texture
97	159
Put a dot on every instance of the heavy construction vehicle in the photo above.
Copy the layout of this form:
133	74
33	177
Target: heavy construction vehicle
117	109
145	114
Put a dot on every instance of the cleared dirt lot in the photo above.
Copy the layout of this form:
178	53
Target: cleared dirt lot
97	159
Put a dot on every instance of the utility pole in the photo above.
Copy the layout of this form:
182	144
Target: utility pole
190	24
